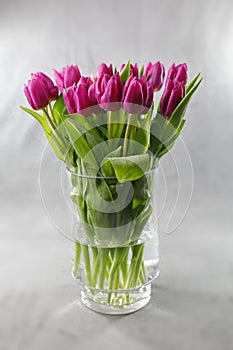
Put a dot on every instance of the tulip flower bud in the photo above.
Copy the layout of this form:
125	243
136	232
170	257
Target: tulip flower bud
104	69
69	99
40	91
108	91
76	100
137	95
79	99
178	73
93	101
82	101
68	76
173	93
133	69
154	74
85	81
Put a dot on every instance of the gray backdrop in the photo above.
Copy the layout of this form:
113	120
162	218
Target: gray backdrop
192	302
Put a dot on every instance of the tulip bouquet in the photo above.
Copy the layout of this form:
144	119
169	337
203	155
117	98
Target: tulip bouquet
110	135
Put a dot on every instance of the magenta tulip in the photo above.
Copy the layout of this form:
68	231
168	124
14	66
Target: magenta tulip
108	91
40	91
154	74
137	95
68	76
69	99
173	93
93	101
79	99
104	69
76	100
178	73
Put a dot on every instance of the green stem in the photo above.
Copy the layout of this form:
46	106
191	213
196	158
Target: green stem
116	280
87	263
77	256
108	264
95	265
54	129
51	111
95	273
143	273
124	267
125	145
110	128
94	255
50	120
103	254
135	266
119	256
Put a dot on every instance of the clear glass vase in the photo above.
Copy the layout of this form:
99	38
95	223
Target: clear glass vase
116	255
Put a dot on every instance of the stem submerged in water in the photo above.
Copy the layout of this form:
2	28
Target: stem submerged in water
77	257
110	269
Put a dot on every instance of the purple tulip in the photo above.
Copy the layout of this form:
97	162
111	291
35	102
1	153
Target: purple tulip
133	69
104	69
137	95
173	93
69	99
93	101
68	76
40	91
79	99
108	91
154	74
178	73
85	82
76	100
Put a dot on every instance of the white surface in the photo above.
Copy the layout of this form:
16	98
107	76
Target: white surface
192	302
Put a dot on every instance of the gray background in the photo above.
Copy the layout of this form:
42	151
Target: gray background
192	302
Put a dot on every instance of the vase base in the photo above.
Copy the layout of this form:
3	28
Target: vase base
125	303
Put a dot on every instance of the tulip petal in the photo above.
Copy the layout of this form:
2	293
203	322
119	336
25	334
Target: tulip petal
28	96
69	100
71	76
81	100
39	93
176	96
58	79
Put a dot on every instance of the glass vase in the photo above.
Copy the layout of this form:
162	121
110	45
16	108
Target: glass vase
116	255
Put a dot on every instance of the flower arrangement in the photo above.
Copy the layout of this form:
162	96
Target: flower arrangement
110	135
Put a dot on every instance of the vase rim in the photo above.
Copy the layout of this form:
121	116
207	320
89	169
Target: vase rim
106	177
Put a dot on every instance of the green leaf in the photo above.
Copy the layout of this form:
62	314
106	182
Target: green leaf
59	106
169	143
85	125
118	121
56	146
141	222
38	117
192	83
142	134
106	166
140	197
156	132
141	71
130	168
181	125
165	149
79	142
125	73
179	112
